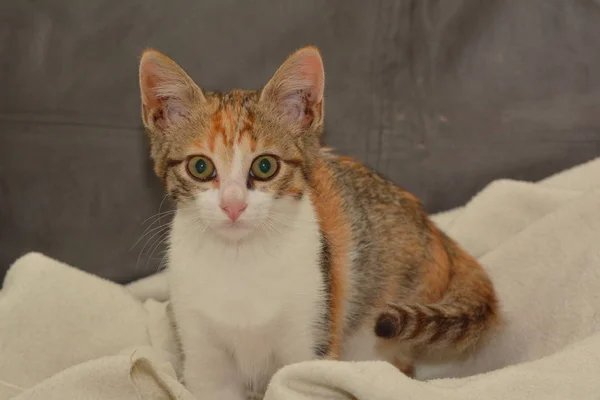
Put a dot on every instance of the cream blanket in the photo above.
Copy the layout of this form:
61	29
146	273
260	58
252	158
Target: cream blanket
65	334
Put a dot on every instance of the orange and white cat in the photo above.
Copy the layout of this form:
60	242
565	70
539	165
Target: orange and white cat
281	251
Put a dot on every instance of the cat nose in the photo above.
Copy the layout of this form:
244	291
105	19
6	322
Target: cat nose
233	199
234	209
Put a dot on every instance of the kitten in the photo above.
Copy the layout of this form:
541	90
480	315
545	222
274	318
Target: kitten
282	252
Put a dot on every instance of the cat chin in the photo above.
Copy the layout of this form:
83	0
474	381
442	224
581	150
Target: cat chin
234	231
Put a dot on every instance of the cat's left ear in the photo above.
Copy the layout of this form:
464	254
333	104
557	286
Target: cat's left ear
297	88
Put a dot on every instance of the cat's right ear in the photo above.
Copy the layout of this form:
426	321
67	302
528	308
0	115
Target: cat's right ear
169	95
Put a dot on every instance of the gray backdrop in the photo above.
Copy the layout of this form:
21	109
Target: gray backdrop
440	96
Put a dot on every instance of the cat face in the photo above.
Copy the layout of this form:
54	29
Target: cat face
237	163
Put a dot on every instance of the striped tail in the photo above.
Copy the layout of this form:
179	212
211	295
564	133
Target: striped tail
458	321
435	325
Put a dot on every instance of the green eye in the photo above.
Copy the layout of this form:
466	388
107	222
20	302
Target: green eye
201	168
264	168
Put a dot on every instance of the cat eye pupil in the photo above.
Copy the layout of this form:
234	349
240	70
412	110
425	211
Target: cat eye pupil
200	166
264	165
264	168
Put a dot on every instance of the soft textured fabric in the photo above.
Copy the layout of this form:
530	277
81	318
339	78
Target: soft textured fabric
69	334
66	334
440	96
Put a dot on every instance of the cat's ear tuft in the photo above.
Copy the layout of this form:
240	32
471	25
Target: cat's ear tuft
297	87
168	93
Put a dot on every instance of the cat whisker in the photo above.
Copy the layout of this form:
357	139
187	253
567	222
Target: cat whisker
262	229
161	239
267	250
159	210
160	232
164	214
163	264
158	216
160	227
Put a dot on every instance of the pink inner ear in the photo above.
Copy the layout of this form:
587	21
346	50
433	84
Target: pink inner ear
148	87
149	82
154	106
294	106
312	70
299	85
166	90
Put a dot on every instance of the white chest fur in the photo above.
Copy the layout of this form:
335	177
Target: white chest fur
258	300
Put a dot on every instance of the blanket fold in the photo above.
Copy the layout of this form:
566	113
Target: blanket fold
65	334
569	374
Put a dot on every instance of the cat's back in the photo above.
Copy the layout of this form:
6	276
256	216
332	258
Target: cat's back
378	225
367	194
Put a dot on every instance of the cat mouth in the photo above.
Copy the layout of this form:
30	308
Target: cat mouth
235	225
237	230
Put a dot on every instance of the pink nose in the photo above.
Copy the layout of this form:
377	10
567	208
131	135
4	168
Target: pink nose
234	210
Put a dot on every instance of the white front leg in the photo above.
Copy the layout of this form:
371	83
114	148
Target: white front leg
209	371
296	343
